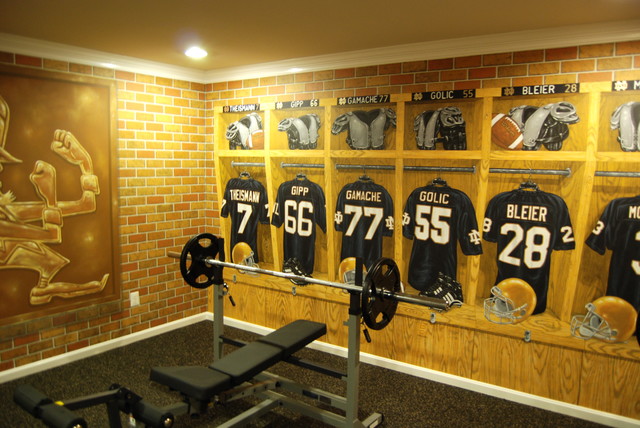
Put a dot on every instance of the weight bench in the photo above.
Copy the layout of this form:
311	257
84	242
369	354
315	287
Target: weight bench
201	384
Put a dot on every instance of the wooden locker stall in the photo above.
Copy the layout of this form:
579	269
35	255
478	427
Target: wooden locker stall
538	356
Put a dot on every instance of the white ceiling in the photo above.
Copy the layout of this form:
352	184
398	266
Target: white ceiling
242	34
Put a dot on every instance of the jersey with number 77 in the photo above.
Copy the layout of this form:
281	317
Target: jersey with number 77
364	215
527	226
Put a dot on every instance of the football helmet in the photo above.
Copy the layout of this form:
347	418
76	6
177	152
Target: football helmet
242	254
347	271
512	301
608	318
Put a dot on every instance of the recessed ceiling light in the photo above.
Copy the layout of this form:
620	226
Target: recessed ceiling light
195	52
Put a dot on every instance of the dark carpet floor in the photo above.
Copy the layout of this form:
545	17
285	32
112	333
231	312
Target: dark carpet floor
405	401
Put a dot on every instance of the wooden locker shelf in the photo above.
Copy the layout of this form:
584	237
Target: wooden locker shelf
579	155
577	277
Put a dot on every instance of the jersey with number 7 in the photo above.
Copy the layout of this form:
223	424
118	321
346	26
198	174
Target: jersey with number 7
245	199
527	226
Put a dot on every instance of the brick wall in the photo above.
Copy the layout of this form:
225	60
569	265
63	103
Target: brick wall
166	184
602	62
163	173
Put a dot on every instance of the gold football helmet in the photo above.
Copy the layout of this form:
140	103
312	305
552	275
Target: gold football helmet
242	254
347	271
608	318
512	301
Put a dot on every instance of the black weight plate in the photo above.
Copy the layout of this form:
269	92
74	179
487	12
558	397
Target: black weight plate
193	267
377	309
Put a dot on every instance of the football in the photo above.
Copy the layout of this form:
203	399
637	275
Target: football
257	140
505	132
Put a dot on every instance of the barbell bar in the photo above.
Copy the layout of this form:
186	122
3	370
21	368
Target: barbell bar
286	275
399	296
380	293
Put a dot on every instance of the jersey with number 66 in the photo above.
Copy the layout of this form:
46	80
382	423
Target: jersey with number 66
300	205
364	214
618	229
437	218
245	199
528	226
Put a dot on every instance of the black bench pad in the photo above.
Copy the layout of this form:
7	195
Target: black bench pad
295	336
198	382
241	365
246	362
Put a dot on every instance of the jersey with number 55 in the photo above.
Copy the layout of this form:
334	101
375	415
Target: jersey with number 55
527	226
437	218
300	206
618	229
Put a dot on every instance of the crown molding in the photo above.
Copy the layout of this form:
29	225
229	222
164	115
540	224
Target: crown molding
57	51
451	48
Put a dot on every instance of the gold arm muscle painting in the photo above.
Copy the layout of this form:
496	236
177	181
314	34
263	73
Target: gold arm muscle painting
56	189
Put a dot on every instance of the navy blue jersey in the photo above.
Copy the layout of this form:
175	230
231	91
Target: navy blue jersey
618	229
437	218
245	199
528	226
364	214
300	206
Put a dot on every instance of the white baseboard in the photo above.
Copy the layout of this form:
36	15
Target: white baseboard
561	407
89	351
556	406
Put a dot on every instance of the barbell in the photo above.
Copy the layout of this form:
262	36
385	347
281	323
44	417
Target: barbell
380	292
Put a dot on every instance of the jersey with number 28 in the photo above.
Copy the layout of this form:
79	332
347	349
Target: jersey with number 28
300	206
527	226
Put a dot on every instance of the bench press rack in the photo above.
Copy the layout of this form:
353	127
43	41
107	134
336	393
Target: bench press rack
243	372
373	300
267	381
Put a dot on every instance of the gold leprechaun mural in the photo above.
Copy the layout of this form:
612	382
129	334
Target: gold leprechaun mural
28	228
55	181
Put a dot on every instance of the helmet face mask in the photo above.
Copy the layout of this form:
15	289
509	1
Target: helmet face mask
608	318
512	301
242	254
349	277
347	271
591	325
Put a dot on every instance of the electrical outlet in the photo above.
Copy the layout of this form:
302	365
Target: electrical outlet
135	298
